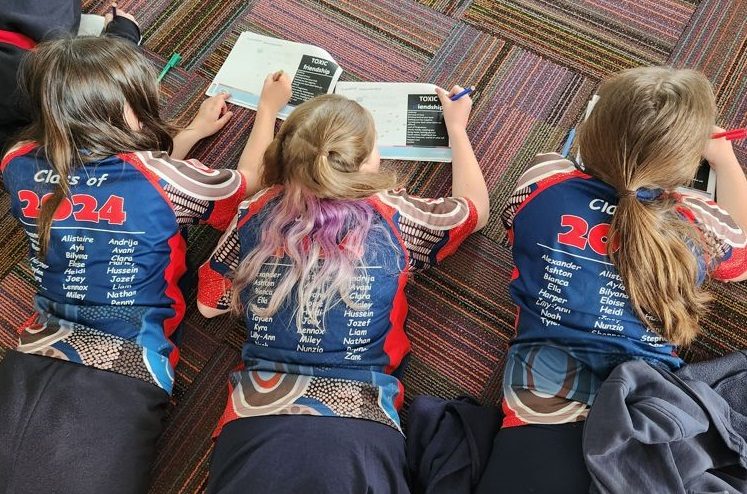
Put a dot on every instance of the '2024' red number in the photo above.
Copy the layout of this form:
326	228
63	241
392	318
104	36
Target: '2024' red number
579	235
88	209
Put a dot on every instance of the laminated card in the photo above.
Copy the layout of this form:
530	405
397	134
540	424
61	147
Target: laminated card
312	70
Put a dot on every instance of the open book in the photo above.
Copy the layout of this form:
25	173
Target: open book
703	183
408	116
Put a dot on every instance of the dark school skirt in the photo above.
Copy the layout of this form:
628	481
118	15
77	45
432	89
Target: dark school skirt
67	428
290	454
541	459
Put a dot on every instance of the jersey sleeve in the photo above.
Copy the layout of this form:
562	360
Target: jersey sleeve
431	229
214	285
725	240
544	171
199	194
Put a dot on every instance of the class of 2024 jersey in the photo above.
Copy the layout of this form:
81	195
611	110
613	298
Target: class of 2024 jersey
575	321
344	361
108	288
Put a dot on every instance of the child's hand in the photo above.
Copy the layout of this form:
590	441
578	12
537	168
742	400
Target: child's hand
276	92
212	116
456	113
718	151
120	13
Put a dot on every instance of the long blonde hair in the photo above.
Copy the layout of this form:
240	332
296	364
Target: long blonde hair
322	219
648	131
76	89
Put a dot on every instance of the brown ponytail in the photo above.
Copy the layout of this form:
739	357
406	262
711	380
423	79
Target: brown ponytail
648	131
77	89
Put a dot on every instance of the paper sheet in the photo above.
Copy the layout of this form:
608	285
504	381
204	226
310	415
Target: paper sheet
312	70
91	25
408	117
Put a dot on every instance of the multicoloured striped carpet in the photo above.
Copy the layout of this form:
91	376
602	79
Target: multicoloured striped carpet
535	64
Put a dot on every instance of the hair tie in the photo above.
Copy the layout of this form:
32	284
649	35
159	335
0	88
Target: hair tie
643	194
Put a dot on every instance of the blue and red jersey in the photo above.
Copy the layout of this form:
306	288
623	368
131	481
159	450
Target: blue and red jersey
574	321
108	293
341	362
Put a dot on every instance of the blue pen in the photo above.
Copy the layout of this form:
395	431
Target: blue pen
568	143
463	92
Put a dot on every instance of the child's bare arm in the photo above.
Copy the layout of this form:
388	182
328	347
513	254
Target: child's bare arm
276	93
732	184
212	116
467	179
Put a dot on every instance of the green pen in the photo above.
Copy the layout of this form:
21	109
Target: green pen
173	61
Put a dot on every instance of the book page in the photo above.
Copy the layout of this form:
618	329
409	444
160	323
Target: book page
704	182
408	116
312	70
91	25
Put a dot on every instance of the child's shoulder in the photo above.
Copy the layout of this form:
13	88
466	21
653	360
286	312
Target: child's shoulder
436	212
20	149
545	166
189	176
252	205
705	212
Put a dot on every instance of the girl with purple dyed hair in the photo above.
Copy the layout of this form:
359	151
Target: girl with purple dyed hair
317	262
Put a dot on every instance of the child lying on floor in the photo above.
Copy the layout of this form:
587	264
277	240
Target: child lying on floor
317	263
609	264
104	206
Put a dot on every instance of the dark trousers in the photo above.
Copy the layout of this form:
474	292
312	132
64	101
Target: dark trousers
66	428
290	454
541	459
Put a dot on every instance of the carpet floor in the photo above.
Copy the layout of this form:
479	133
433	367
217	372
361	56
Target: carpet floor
535	64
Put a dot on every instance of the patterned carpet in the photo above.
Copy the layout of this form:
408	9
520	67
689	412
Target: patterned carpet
535	64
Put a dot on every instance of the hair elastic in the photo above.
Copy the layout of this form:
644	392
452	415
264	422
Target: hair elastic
643	194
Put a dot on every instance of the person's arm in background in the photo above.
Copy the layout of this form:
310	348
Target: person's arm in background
276	92
731	188
730	179
212	116
466	177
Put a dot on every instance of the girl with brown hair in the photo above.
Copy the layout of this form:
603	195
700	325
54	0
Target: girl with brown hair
610	258
317	263
23	24
104	206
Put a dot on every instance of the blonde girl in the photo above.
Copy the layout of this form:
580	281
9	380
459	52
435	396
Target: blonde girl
317	262
609	264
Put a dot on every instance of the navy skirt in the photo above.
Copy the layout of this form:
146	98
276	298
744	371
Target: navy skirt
67	428
290	454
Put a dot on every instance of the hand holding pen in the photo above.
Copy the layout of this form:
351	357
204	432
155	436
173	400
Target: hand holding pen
456	106
731	135
115	12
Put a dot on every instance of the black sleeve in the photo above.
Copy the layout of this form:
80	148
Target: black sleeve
40	20
122	27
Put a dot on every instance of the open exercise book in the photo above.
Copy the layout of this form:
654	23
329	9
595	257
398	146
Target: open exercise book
408	116
703	183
